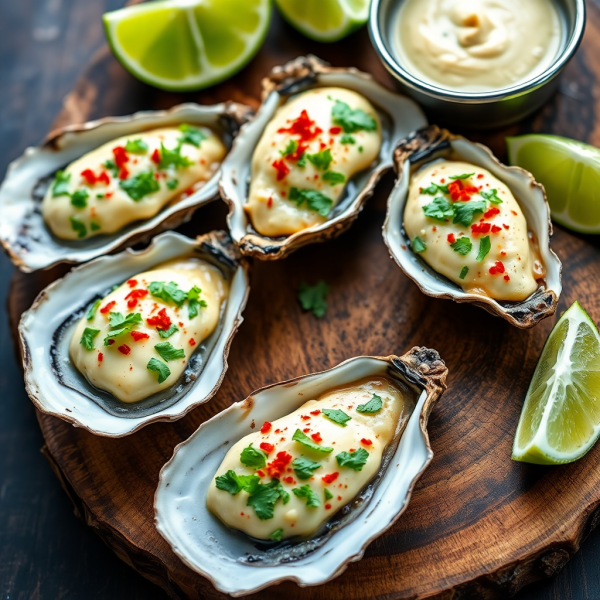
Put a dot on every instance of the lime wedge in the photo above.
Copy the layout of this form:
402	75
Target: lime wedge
183	45
560	420
570	172
325	20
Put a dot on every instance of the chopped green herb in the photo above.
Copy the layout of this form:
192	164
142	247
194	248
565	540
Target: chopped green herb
291	147
136	146
87	338
313	298
78	226
464	212
302	160
463	176
333	178
418	245
140	185
169	332
276	535
119	324
194	304
95	226
160	367
168	352
285	497
304	467
315	200
169	292
321	160
372	406
463	272
91	313
100	196
79	198
484	247
263	499
312	500
360	149
253	457
233	483
353	460
347	139
303	439
191	135
462	245
60	186
337	416
352	120
111	165
328	494
172	184
440	209
434	188
172	158
492	196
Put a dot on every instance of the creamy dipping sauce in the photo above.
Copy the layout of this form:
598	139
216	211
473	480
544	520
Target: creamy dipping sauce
467	225
138	340
477	45
130	178
309	150
291	476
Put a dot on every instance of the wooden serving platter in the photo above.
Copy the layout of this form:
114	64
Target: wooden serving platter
478	525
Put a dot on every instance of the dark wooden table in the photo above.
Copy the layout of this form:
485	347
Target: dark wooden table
44	551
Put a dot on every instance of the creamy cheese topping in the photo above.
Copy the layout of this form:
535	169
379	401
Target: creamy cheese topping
467	225
138	340
308	152
290	477
477	45
130	178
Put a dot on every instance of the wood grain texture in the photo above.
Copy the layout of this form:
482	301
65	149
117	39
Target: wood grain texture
479	525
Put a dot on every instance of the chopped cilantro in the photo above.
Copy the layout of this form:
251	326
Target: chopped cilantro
169	332
194	304
484	247
78	226
169	292
303	439
462	245
173	158
111	165
304	467
291	147
321	160
337	416
302	160
92	311
492	196
312	500
263	499
79	198
440	209
95	226
60	186
136	146
160	367
191	135
253	457
276	535
352	120
328	494
334	178
353	460
372	406
347	139
360	148
315	200
463	176
168	352
434	188
100	196
172	184
464	212
233	483
463	272
87	338
119	324
140	185
418	245
285	497
313	298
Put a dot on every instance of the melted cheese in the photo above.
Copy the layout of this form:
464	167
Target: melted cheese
108	207
269	206
510	242
371	432
125	375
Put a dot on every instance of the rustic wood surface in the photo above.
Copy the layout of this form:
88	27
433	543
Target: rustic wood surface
478	525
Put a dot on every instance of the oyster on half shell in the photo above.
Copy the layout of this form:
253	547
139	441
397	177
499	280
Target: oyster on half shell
58	388
238	564
346	192
426	153
28	239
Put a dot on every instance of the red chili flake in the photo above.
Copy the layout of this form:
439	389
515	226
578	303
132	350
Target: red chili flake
155	156
496	229
328	506
121	156
459	191
315	412
108	195
507	227
277	466
434	228
110	342
451	239
480	228
138	335
480	176
189	191
497	268
260	473
266	427
283	194
89	176
330	477
132	283
306	430
281	168
322	145
502	253
491	212
192	342
335	130
268	448
104	178
161	320
289	480
506	278
513	212
278	431
100	357
316	437
123	174
124	349
106	308
270	202
366	442
305	417
134	296
157	176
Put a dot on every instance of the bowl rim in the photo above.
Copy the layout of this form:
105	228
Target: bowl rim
574	37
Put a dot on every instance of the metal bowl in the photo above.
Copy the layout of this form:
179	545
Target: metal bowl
476	109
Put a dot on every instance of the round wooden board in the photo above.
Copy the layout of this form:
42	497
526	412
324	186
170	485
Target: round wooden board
478	525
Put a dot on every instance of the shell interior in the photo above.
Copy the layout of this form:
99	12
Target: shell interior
237	564
58	388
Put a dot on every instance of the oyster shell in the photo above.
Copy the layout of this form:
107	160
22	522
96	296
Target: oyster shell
398	115
432	143
238	565
56	387
23	233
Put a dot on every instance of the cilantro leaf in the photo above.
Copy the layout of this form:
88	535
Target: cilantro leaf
253	457
169	332
484	247
94	226
172	158
492	196
92	310
328	494
168	352
138	146
140	185
337	416
191	135
347	139
352	120
291	147
60	186
434	188
463	176
462	245
233	483
313	298
160	367
111	165
87	338
276	535
418	245
312	500
315	200
172	184
79	198
119	324
372	406
194	304
463	272
304	467
78	226
321	160
440	209
263	499
285	497
464	212
333	178
353	460
169	292
303	439
302	160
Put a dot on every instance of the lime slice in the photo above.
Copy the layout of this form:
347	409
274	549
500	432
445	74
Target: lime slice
325	20
570	172
560	420
185	45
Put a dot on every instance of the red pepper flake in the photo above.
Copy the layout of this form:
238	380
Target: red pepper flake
330	477
480	176
162	320
315	412
134	296
317	437
107	307
459	191
266	427
335	130
306	430
322	145
104	178
260	473
270	202
328	506
283	194
502	253
290	480
451	239
108	195
514	213
434	228
138	335
366	442
192	342
480	228
121	156
123	174
155	156
506	278
278	431
491	212
124	349
277	466
89	176
305	417
507	227
268	448
302	126
132	283
497	268
110	342
100	357
189	191
496	229
281	168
